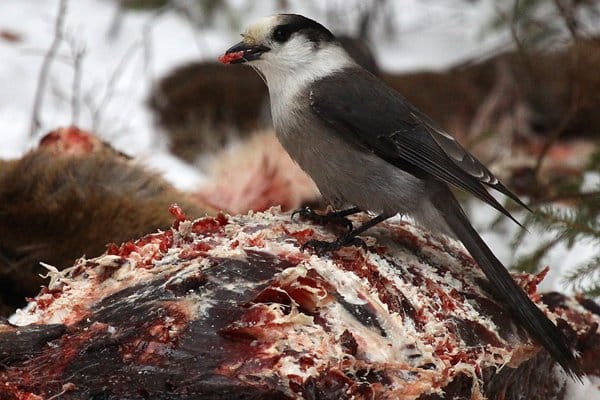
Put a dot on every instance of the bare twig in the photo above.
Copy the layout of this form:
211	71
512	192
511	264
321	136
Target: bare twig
147	40
73	60
522	49
568	15
97	110
77	54
48	58
43	76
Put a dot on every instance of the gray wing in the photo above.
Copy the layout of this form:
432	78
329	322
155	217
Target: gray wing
378	119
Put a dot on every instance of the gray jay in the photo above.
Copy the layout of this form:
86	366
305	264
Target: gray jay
366	147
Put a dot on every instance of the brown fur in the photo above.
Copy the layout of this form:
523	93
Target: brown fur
202	105
544	82
57	208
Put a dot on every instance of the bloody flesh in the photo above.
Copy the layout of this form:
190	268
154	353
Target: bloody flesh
230	57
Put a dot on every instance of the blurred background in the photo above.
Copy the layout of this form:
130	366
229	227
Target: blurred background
516	81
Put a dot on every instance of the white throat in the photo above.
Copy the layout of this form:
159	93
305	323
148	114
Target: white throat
285	79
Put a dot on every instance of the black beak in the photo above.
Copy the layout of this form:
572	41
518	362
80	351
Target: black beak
248	52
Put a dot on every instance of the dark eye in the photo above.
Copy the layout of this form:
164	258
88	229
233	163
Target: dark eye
281	34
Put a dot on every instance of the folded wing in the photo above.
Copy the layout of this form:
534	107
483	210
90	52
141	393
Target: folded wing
378	119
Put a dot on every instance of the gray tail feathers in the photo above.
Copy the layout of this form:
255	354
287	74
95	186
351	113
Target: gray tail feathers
505	289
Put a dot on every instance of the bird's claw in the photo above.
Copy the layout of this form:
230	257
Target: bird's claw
333	217
322	247
303	212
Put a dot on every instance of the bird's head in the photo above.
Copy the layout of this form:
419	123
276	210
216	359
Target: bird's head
285	44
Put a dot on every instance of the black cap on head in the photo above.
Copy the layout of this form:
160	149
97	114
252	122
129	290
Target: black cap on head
292	23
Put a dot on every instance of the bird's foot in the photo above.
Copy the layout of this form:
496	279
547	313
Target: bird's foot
333	218
350	238
322	247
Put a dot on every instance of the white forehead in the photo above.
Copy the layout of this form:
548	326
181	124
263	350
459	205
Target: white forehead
261	29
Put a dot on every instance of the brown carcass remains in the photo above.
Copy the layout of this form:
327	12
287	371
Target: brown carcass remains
230	308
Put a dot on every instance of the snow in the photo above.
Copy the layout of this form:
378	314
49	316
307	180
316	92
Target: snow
432	34
124	120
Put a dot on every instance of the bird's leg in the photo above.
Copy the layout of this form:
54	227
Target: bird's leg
348	239
332	217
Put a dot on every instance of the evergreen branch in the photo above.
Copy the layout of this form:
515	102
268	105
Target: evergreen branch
586	277
530	263
569	221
